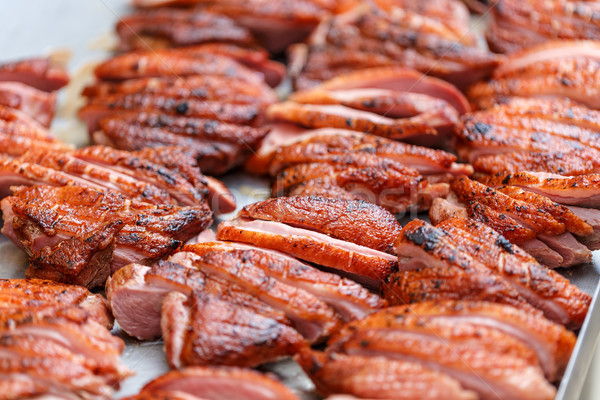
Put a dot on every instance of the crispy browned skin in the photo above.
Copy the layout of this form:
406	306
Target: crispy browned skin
380	183
314	114
555	69
76	235
472	246
456	346
378	378
222	331
353	42
40	73
550	288
219	146
354	221
534	216
39	293
517	25
217	383
570	190
349	299
171	27
178	62
33	102
451	283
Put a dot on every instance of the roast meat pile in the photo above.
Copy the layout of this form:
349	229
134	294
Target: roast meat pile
396	110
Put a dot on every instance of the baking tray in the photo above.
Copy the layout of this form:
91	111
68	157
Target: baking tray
83	29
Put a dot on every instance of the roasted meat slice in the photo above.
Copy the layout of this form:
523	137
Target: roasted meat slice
35	294
174	27
322	145
40	73
556	69
77	235
348	298
215	383
106	106
353	41
13	144
201	87
33	102
13	121
209	59
195	306
485	357
58	350
378	378
218	146
382	182
469	245
348	236
520	25
569	190
311	316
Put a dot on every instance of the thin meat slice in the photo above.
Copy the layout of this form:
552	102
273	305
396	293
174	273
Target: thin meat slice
568	190
220	383
348	298
484	359
354	221
541	287
312	317
40	73
379	378
36	103
363	264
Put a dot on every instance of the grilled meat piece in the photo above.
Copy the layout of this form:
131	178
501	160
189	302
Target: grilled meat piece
215	383
557	69
350	237
194	306
522	216
378	378
472	246
13	144
538	135
40	73
218	146
174	27
34	294
57	349
34	102
284	147
348	298
12	119
568	190
208	59
78	235
352	41
489	359
520	25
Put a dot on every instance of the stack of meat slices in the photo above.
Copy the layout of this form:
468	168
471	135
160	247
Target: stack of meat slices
556	69
27	104
162	175
55	342
233	304
80	234
29	86
557	235
367	37
455	350
537	135
465	259
391	102
275	25
202	98
517	25
214	383
350	237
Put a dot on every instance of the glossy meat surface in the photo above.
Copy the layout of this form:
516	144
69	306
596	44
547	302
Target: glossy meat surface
40	73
